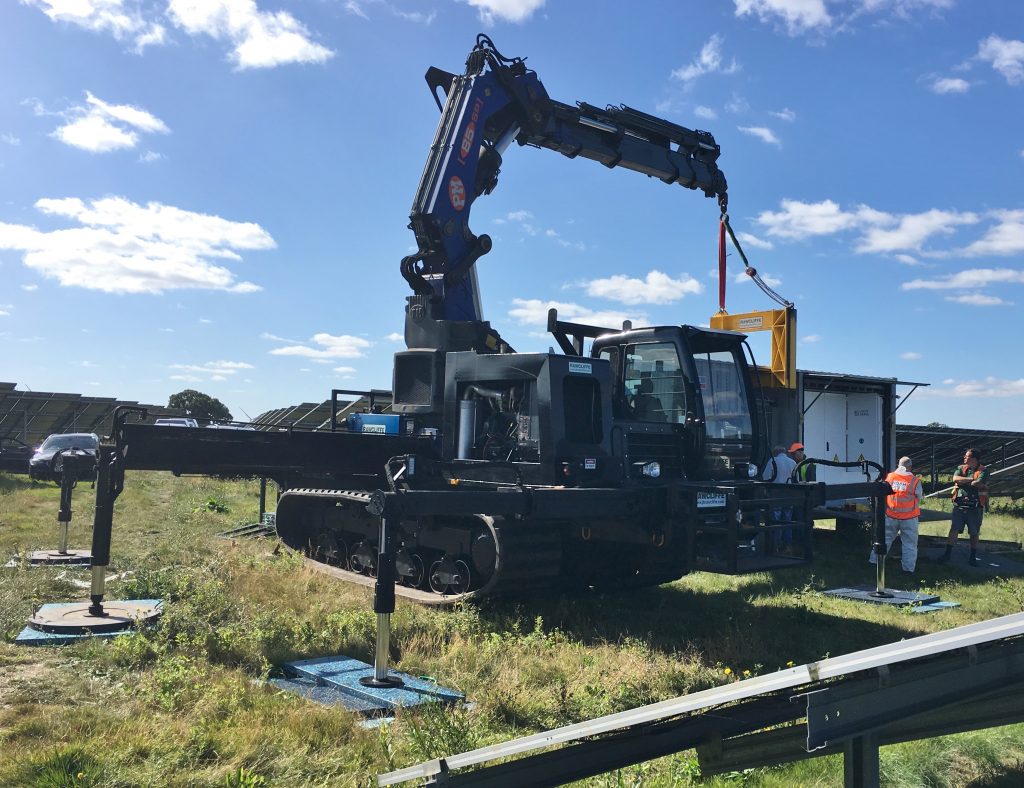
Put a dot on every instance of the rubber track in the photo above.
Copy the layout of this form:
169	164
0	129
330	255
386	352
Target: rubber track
529	555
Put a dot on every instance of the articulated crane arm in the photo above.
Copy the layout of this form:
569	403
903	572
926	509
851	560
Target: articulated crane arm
496	101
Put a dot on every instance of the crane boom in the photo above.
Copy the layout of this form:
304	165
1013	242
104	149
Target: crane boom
496	101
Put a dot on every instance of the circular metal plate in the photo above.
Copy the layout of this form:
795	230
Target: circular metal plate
74	617
54	556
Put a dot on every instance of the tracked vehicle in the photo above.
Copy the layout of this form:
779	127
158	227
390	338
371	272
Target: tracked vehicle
629	459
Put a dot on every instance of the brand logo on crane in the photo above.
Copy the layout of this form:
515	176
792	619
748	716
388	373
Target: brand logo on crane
467	136
457	193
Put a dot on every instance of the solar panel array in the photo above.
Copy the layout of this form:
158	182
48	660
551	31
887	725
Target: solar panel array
936	451
29	416
317	415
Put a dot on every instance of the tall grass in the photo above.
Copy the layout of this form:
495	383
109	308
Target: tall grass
187	703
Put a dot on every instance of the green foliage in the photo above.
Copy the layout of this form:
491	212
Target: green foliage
436	730
244	778
71	767
212	504
199	406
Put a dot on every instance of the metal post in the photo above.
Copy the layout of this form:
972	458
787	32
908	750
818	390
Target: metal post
107	490
69	475
263	497
878	511
383	606
860	762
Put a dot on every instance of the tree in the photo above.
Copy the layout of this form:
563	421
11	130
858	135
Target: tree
199	406
938	424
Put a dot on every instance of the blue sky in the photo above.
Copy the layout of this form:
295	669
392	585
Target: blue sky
214	194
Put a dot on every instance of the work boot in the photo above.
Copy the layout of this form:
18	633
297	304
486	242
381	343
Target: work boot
946	555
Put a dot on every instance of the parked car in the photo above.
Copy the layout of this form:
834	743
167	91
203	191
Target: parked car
175	421
14	455
46	462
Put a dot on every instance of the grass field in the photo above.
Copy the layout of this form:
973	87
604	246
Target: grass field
185	705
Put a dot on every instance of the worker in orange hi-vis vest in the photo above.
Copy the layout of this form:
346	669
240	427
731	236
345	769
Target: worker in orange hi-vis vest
902	513
970	495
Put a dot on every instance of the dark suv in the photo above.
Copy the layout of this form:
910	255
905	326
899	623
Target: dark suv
14	455
46	462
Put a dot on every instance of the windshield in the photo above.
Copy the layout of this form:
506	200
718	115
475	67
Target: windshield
653	383
725	396
61	442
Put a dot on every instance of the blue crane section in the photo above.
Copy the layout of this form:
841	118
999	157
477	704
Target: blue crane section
499	100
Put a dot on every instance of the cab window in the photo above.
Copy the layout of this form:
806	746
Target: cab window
653	383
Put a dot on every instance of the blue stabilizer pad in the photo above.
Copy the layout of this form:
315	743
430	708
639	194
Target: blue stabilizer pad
30	636
335	681
934	607
898	598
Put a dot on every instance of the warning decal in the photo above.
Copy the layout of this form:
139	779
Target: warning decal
836	458
457	193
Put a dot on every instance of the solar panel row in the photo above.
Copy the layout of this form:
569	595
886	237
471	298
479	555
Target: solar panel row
29	416
937	450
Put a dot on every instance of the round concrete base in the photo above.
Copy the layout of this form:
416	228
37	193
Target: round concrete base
56	558
75	618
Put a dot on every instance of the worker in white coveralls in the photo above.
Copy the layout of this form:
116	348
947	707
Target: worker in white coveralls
902	512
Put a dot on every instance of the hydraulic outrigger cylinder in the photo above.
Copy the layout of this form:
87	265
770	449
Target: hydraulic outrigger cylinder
383	594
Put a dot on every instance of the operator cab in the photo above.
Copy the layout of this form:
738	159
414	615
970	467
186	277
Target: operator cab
681	398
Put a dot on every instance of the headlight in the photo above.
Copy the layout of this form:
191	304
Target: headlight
651	470
752	471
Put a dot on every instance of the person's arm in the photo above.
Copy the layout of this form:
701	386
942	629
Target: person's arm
963	481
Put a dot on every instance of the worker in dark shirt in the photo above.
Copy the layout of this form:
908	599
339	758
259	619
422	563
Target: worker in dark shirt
970	494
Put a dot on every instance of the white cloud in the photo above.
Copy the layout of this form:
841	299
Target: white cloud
707	61
330	347
785	114
507	10
123	247
752	240
763	133
534	312
978	299
655	288
970	279
797	15
885	233
950	85
99	127
345	369
259	39
205	320
820	16
149	157
123	19
907	259
1005	56
990	387
1006	238
811	339
211	370
803	220
737	105
911	355
30	288
912	230
9	139
705	113
394	336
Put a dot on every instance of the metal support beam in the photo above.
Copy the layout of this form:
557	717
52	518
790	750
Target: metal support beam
860	762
